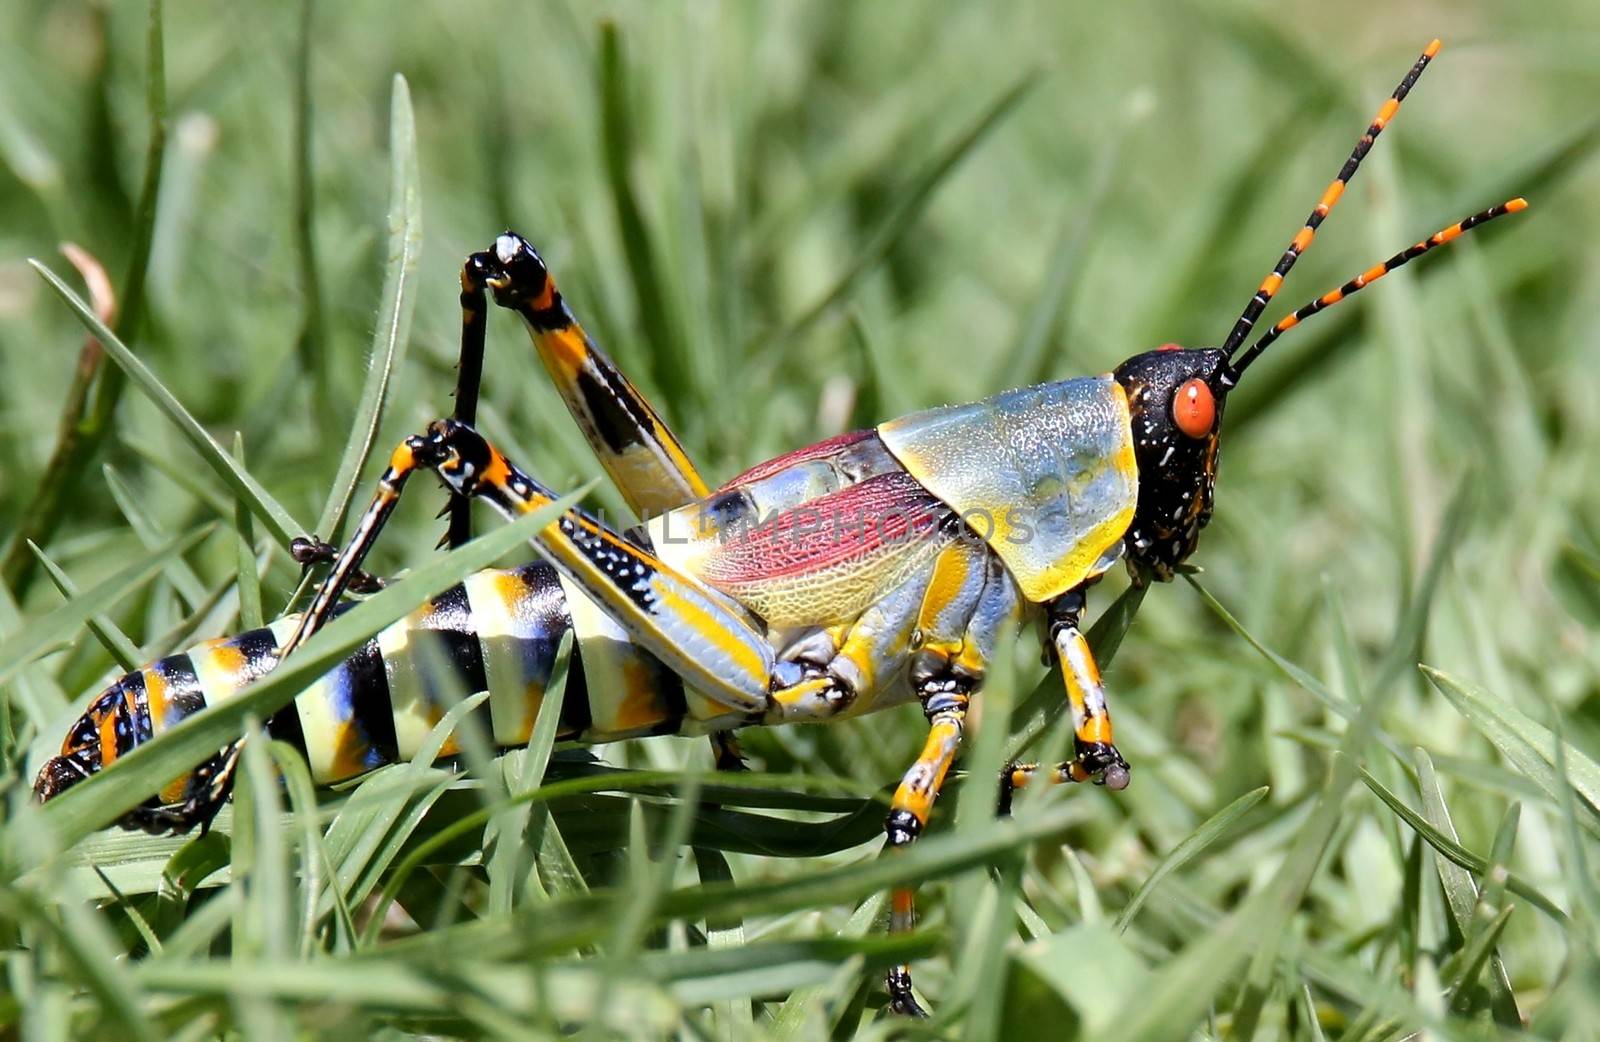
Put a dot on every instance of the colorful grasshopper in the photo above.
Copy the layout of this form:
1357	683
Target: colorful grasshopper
859	573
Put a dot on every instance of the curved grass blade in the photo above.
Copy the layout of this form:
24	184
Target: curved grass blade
508	860
302	796
564	923
151	534
1457	853
1208	833
283	525
907	207
123	650
394	316
86	421
244	530
1529	745
802	1008
82	937
1461	896
103	798
40	634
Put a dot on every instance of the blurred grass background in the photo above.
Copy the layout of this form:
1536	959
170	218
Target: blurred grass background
786	220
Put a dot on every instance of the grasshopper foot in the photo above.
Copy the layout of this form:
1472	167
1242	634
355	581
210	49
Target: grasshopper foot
901	1001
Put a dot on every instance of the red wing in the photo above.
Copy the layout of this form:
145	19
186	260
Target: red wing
820	450
825	562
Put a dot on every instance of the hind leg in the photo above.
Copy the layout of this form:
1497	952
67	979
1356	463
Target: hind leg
627	434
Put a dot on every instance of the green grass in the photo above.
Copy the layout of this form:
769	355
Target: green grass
1366	740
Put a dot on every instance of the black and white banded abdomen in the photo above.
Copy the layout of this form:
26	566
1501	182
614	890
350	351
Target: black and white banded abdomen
500	631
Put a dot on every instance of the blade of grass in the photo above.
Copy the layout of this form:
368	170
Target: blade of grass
508	860
311	345
86	421
398	300
284	527
724	933
40	634
1456	852
1527	744
907	207
122	786
562	923
1461	973
1209	831
123	650
797	1016
1461	894
1182	991
670	365
183	577
313	855
396	829
83	939
250	616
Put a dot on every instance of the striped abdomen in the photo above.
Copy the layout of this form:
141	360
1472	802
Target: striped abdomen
500	632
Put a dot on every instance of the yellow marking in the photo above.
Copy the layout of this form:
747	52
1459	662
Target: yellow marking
1386	113
1303	239
1517	205
349	752
1091	545
514	697
414	714
703	622
566	353
547	295
566	350
108	739
155	699
323	732
1449	233
1331	197
1289	321
1331	297
669	602
922	783
1375	272
697	485
498	473
1432	49
402	460
951	570
220	669
640	707
1270	284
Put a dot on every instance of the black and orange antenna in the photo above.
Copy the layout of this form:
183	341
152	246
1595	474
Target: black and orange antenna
1269	285
1372	275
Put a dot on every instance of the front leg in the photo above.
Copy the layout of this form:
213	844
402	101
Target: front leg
1097	758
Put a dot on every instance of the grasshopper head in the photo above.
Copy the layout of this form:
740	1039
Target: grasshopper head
1175	398
1175	395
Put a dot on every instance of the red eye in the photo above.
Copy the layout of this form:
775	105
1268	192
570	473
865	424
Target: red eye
1193	409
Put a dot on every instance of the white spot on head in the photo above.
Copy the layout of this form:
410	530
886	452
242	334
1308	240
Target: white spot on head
506	247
